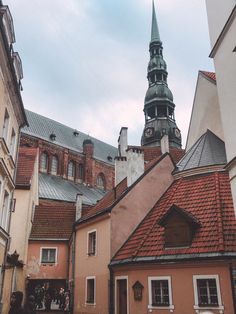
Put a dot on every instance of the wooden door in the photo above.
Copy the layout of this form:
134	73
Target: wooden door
121	296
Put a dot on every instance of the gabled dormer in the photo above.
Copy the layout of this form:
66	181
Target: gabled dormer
180	227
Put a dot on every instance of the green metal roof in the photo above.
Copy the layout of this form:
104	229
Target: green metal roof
155	36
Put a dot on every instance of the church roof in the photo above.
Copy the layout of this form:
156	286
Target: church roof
207	197
42	127
208	150
57	188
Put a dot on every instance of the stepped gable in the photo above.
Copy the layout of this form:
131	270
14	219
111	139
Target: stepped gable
210	75
207	151
42	127
25	166
53	220
57	188
152	152
207	197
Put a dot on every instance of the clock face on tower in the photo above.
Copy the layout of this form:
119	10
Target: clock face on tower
177	133
148	132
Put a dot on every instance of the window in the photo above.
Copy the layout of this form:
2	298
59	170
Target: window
48	255
160	292
13	143
90	290
101	181
54	165
71	169
92	235
5	126
5	211
81	171
44	162
207	291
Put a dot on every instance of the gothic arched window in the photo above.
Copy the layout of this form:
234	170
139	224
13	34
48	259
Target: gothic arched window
71	170
44	162
54	165
101	182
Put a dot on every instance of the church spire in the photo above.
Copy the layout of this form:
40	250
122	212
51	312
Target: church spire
158	105
155	36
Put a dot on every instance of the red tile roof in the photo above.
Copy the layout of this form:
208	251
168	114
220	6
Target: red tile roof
53	220
25	166
208	198
210	75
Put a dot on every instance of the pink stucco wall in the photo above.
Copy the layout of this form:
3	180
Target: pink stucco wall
44	271
181	284
135	205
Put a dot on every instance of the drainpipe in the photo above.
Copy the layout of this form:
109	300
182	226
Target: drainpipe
111	291
232	286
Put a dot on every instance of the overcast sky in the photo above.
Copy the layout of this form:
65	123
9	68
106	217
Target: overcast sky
85	61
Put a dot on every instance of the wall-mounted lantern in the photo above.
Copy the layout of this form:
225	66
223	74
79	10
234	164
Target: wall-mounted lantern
138	291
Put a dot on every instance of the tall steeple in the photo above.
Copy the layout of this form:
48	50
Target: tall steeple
158	104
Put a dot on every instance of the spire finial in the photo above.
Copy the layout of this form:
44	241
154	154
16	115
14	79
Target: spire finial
155	36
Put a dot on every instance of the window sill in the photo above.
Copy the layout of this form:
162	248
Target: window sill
47	264
161	307
209	307
90	303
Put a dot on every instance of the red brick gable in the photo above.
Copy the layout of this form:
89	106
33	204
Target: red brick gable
25	166
53	220
152	152
208	198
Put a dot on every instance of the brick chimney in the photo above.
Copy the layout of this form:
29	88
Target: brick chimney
88	147
135	164
123	142
78	206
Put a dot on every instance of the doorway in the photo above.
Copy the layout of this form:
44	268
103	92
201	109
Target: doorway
121	295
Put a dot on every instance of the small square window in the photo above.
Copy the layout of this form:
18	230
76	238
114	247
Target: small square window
92	243
90	293
207	292
160	295
48	256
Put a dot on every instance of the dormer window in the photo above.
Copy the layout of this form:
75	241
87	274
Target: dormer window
76	133
53	137
180	227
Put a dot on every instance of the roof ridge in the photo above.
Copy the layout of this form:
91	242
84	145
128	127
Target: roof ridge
219	213
155	220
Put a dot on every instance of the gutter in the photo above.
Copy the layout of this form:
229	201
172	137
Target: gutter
111	291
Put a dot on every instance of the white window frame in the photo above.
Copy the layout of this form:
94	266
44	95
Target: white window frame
96	244
153	278
117	278
6	123
196	305
48	248
55	172
5	210
13	143
86	290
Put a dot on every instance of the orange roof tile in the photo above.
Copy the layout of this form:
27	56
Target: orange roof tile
53	220
206	197
210	75
25	166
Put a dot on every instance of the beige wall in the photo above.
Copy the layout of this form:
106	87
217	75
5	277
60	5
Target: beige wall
205	112
218	12
86	266
182	286
128	213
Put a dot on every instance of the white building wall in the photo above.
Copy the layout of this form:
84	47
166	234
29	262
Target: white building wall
206	111
218	12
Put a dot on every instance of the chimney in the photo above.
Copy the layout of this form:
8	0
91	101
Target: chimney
165	144
135	164
78	206
120	169
123	141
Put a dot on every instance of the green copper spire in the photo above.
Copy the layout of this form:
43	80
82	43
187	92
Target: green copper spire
155	36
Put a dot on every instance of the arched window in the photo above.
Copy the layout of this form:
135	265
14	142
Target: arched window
54	165
101	182
44	162
71	170
81	171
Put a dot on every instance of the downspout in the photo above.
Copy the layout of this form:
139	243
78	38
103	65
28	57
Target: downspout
73	269
111	291
232	286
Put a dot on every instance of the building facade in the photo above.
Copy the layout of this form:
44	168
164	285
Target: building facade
12	118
